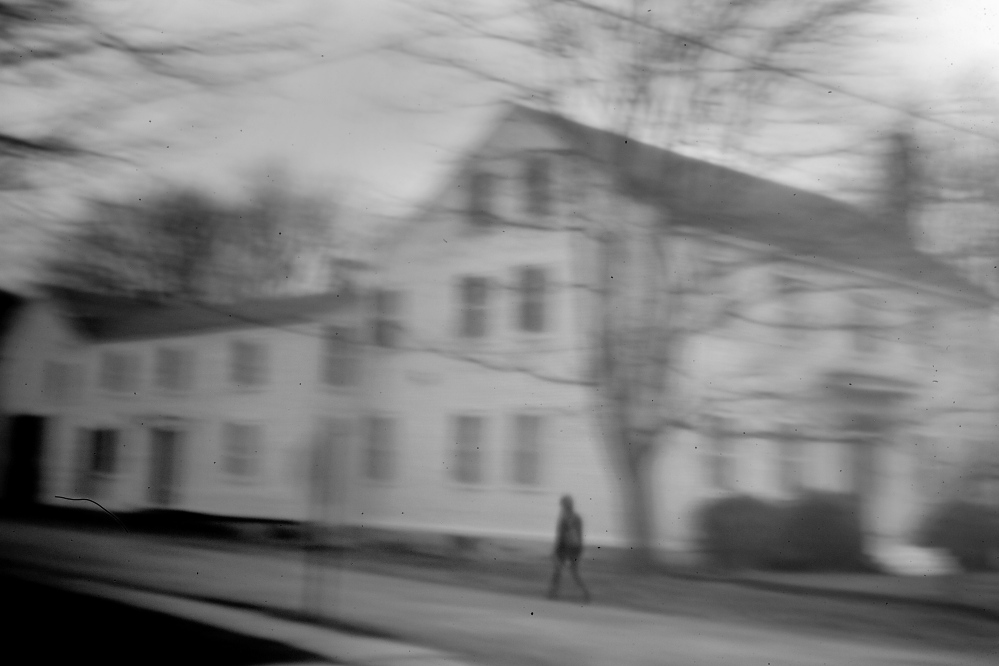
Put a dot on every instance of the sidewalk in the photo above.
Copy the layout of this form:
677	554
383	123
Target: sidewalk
483	627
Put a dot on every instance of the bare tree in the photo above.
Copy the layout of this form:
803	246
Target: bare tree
183	244
69	68
672	73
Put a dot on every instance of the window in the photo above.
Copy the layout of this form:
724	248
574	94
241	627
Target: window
474	303
480	193
103	451
721	460
241	449
174	368
468	449
533	288
381	448
526	463
386	326
247	363
791	471
56	381
340	360
119	372
537	180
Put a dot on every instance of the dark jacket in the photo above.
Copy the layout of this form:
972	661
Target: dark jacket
569	534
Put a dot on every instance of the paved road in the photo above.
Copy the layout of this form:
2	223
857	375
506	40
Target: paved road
485	627
46	625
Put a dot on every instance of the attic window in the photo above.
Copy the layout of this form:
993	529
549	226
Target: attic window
480	195
537	182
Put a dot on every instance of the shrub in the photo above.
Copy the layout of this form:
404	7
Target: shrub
818	532
822	532
970	532
739	532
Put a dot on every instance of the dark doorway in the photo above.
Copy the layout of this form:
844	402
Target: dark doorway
25	437
164	467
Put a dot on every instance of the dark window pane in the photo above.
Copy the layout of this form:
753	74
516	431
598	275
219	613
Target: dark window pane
475	292
480	191
538	183
533	287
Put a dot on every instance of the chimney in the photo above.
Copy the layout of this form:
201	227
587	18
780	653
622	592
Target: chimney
903	182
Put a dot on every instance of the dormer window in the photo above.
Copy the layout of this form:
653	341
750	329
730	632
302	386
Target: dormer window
537	183
480	198
247	363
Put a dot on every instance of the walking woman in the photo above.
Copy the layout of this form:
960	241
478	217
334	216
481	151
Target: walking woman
568	548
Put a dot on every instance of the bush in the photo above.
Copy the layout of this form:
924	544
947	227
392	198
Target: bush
970	532
822	532
818	532
739	532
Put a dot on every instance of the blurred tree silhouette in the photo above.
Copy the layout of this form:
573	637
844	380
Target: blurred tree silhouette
183	244
70	67
667	72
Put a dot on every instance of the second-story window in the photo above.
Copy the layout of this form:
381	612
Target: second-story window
119	372
474	306
537	182
248	363
386	325
480	198
533	294
340	356
174	369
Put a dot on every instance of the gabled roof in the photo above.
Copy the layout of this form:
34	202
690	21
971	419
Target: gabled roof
103	318
714	198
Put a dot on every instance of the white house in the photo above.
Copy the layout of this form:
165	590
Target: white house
839	358
815	348
210	410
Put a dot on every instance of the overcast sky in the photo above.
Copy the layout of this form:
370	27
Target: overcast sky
338	122
336	125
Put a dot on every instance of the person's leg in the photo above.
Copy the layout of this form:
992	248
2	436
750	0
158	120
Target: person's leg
574	570
556	577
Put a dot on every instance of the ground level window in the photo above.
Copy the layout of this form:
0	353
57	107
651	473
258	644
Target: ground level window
468	452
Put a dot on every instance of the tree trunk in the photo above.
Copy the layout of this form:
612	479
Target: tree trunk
637	491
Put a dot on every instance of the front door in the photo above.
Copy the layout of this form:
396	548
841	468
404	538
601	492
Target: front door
24	451
328	467
164	468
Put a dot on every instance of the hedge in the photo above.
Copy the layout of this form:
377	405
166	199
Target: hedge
970	532
817	532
